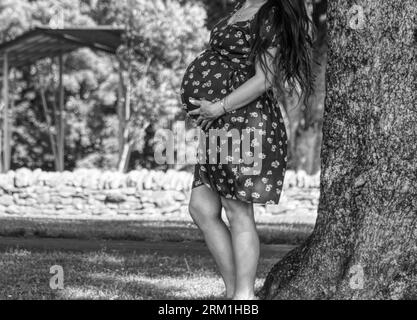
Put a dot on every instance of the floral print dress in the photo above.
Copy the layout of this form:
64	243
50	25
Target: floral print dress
216	72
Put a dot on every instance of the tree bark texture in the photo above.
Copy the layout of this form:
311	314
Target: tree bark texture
364	245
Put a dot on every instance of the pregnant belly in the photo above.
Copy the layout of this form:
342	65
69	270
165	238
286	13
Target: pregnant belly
208	77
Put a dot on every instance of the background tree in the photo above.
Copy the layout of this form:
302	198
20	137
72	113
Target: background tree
94	102
171	34
161	38
216	9
365	241
31	136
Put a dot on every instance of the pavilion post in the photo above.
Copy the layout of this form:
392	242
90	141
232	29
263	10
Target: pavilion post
61	119
6	122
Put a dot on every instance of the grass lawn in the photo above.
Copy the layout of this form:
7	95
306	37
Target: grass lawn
112	275
104	267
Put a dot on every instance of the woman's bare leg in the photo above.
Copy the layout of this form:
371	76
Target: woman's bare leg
205	209
245	247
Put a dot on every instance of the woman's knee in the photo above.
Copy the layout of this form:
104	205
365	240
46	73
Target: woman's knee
203	216
238	213
195	210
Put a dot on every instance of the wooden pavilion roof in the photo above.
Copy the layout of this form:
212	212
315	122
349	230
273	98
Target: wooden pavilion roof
44	42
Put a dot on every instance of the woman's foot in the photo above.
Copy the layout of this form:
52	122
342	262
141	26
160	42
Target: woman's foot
245	297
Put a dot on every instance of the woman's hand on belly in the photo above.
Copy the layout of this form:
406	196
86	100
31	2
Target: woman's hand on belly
207	112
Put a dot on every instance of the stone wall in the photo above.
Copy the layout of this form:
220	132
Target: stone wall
108	194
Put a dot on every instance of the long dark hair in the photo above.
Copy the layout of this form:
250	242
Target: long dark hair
293	61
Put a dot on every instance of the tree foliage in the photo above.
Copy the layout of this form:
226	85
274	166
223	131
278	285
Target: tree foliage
164	37
161	38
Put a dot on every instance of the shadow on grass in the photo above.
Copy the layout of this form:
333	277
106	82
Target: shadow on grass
103	275
111	288
157	231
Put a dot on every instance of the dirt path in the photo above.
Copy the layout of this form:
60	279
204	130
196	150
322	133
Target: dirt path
138	247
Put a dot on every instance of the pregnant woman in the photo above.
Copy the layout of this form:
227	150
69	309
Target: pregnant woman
256	54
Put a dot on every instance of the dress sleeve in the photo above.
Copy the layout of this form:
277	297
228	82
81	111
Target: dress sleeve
267	32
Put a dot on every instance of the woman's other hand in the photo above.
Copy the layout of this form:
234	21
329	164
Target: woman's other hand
207	112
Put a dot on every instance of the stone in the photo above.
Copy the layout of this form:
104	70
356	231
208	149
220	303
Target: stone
171	209
129	191
67	191
133	199
44	198
70	212
23	178
125	212
36	174
54	180
100	197
42	189
20	202
6	200
13	209
179	196
93	192
148	182
4	187
29	211
49	212
67	177
133	178
102	181
117	181
79	206
93	202
48	206
147	206
66	201
273	209
115	197
55	200
90	181
140	179
112	206
7	181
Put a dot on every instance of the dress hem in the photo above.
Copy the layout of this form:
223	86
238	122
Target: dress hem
238	197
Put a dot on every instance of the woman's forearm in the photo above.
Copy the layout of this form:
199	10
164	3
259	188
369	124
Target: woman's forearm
242	96
246	93
254	87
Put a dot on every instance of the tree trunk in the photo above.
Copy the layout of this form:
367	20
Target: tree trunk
364	245
6	119
124	115
51	134
124	160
